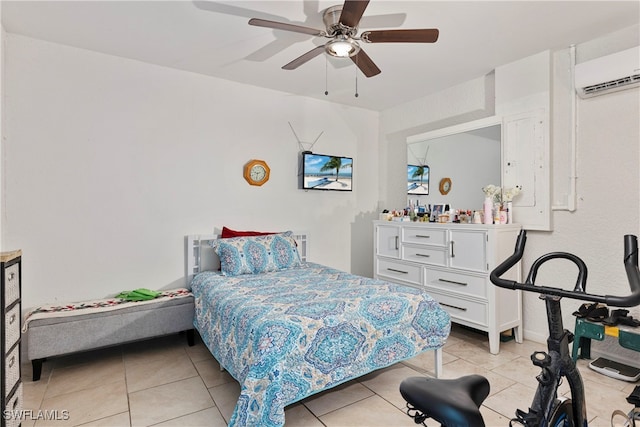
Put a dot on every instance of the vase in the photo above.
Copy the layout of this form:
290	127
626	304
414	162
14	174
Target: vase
503	216
488	210
496	213
509	212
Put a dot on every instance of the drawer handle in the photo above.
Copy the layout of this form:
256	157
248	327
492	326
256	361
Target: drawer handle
423	236
397	271
397	241
12	319
424	255
453	281
453	306
12	361
11	276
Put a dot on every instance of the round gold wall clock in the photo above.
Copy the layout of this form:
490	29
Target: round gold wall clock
445	185
256	172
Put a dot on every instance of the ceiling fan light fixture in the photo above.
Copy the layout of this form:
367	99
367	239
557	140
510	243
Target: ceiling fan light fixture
342	47
341	24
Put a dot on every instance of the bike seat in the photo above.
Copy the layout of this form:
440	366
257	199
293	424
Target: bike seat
453	403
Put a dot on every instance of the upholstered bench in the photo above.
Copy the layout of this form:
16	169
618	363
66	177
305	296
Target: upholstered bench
58	330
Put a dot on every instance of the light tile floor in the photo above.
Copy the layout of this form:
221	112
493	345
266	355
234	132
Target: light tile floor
163	382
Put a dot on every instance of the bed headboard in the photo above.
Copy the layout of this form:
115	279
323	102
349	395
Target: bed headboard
202	257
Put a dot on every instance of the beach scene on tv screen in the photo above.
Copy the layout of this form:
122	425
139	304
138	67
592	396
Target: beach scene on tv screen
417	179
322	172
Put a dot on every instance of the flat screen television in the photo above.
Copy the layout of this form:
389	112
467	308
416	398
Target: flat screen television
324	172
418	179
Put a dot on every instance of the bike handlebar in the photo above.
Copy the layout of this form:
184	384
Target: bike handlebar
579	292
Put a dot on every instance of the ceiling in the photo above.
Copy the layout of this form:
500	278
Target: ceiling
213	38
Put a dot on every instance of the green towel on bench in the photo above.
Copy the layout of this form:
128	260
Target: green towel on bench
140	294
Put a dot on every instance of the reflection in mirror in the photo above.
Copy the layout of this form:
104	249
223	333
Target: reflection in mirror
470	158
418	179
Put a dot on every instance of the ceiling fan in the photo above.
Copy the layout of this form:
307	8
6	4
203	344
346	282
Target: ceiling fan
342	28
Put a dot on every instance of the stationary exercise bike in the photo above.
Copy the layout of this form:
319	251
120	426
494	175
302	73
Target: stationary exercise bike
456	403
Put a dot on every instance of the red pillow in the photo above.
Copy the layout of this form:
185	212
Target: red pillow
228	233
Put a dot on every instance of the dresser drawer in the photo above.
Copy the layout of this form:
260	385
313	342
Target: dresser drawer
399	271
11	284
456	282
424	255
13	406
12	326
462	309
11	370
424	236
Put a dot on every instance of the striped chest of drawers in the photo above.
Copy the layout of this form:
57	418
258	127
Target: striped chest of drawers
10	296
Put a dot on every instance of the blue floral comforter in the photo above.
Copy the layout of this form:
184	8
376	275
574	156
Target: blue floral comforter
288	334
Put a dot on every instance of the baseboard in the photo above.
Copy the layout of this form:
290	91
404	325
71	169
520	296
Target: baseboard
535	337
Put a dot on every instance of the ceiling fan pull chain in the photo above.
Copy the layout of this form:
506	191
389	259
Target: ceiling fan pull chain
326	76
356	76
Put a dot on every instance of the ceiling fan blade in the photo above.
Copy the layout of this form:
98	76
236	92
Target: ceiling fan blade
401	36
352	11
365	64
304	58
284	26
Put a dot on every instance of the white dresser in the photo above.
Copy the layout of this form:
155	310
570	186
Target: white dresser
453	262
10	329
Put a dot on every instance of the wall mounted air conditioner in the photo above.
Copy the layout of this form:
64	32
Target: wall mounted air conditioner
609	73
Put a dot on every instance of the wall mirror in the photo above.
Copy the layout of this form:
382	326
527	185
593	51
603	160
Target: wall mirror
464	158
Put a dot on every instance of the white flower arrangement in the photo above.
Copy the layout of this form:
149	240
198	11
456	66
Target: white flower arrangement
500	195
492	191
509	193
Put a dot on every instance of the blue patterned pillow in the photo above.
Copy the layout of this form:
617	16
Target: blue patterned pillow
257	254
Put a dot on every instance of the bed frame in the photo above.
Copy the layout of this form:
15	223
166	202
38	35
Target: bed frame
202	257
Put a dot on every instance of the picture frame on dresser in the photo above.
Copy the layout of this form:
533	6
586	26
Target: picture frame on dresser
436	209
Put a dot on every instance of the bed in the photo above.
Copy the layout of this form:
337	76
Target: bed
295	328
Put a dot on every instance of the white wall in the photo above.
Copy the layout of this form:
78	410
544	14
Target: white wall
608	165
110	162
608	207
